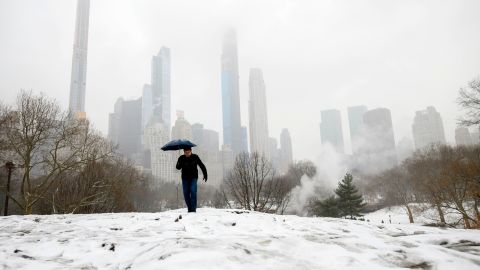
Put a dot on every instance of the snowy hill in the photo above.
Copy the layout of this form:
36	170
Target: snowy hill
228	239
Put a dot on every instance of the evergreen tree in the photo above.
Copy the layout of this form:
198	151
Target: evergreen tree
349	201
325	208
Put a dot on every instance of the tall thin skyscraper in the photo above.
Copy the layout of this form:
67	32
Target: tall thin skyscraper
79	61
160	86
257	106
232	130
331	129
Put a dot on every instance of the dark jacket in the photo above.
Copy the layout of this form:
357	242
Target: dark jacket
188	165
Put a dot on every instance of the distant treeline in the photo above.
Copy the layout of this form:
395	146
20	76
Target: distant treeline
446	177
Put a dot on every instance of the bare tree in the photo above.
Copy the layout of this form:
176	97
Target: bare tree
145	194
102	186
474	187
282	194
46	143
396	185
300	168
252	184
469	100
3	125
220	198
457	175
170	194
424	172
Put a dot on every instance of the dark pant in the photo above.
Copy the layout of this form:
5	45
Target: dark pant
190	193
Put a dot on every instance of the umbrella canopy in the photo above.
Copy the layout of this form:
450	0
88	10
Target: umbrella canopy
177	145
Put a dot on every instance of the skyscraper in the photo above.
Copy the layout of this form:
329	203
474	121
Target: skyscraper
405	148
475	136
286	156
232	131
462	136
182	128
125	126
79	61
331	129
228	160
207	148
160	85
380	152
210	140
355	121
147	105
258	119
427	128
162	163
205	139
274	157
244	145
197	135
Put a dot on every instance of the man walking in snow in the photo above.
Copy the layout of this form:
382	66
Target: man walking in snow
188	163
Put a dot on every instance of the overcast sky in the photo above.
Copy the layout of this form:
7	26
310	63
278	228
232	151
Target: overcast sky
315	55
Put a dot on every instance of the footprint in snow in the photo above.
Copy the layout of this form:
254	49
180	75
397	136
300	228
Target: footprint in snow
111	248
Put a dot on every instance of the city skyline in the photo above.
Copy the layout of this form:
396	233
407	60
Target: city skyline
399	77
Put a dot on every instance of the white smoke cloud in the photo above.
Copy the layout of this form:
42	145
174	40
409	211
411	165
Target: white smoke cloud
331	167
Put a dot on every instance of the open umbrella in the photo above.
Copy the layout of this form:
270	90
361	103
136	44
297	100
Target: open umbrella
177	145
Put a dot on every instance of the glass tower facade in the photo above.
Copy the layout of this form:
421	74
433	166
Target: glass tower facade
232	131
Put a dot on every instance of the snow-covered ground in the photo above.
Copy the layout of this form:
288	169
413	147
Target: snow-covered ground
228	239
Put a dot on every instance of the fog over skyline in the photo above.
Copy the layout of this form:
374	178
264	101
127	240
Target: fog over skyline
314	55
